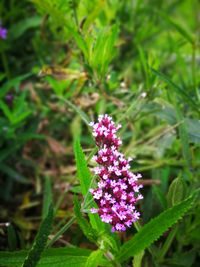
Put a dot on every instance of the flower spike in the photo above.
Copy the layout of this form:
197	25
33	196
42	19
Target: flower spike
117	191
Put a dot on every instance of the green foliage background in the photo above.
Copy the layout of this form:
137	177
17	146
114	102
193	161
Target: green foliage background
63	63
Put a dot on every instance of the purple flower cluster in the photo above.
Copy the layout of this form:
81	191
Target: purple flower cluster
117	191
3	32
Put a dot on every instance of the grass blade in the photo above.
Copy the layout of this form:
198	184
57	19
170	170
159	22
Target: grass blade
61	231
38	247
178	89
47	197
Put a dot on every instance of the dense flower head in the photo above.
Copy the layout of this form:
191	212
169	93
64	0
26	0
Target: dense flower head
117	191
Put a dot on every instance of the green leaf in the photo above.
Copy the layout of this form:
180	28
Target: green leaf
47	197
18	29
176	191
56	257
12	237
150	232
83	172
88	231
12	83
102	51
6	111
38	247
94	259
85	178
21	117
20	110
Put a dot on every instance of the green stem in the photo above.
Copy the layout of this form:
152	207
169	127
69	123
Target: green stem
87	194
65	227
94	151
61	231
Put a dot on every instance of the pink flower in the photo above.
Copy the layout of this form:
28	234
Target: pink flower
117	191
93	210
106	218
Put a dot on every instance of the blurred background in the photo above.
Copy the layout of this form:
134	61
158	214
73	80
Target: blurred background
63	62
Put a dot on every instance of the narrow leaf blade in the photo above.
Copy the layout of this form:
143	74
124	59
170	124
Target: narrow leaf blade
47	197
154	229
84	175
57	257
